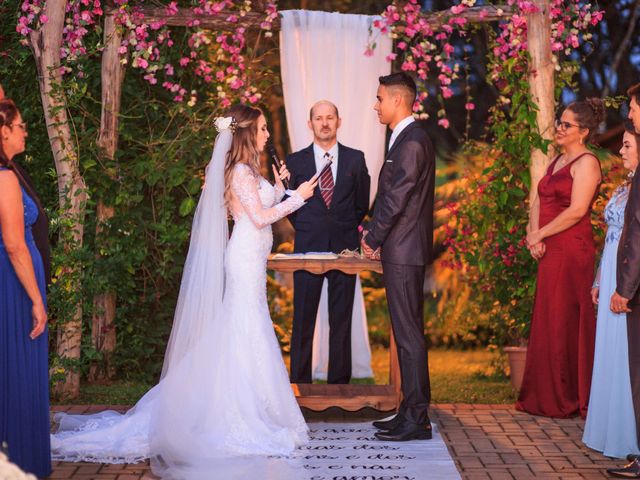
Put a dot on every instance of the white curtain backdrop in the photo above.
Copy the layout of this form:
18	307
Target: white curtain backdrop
322	58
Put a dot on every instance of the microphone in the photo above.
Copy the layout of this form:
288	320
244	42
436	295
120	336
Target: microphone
271	150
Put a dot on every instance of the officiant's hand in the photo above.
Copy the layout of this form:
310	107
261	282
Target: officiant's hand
366	249
306	188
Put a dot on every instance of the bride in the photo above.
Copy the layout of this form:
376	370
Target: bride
224	401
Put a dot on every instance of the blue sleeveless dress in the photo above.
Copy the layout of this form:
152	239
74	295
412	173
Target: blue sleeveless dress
24	376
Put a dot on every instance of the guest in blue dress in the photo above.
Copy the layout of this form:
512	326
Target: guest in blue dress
24	380
611	427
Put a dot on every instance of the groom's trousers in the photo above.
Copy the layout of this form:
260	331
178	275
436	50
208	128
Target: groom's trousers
405	297
633	341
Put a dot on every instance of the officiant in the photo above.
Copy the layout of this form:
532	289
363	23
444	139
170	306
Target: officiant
328	222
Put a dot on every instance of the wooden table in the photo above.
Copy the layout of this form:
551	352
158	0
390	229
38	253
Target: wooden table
349	397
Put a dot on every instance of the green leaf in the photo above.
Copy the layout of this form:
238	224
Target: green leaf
187	206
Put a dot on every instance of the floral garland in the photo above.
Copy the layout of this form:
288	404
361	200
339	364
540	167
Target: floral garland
216	57
430	53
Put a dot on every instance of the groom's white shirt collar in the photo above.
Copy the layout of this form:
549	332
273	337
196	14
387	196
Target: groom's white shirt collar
402	124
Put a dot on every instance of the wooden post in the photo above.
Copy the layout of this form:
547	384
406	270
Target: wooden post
541	82
103	329
45	43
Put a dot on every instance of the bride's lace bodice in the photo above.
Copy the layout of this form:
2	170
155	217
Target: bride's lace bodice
255	207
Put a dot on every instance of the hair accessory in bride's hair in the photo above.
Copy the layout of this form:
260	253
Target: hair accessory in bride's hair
225	123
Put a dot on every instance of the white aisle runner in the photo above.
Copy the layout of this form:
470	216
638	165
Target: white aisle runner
341	451
349	451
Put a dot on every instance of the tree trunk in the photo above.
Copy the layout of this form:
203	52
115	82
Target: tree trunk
103	329
541	82
46	43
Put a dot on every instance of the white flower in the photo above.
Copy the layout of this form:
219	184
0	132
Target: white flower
223	123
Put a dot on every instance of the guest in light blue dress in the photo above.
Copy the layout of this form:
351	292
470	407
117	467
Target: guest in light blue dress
610	426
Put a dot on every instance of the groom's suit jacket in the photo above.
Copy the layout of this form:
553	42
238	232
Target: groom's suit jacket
628	261
322	229
403	214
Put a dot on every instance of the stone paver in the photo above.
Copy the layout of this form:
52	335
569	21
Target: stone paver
487	442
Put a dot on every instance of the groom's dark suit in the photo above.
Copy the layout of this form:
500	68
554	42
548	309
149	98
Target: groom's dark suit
628	286
322	229
402	226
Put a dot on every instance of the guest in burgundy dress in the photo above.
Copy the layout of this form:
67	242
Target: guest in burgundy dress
557	376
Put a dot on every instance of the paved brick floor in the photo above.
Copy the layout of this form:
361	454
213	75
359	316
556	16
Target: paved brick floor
488	442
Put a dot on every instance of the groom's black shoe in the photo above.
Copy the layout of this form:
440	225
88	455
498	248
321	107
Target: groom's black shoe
632	470
406	431
632	456
388	424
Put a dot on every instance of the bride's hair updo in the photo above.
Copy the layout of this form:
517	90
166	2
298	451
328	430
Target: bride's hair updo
244	146
590	113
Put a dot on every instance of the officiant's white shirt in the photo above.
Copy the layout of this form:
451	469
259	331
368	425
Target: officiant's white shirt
402	124
318	153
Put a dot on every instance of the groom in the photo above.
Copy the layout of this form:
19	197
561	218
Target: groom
401	232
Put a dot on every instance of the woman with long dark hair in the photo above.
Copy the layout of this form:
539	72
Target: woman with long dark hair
24	378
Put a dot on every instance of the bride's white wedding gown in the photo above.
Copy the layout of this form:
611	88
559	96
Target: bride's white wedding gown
229	395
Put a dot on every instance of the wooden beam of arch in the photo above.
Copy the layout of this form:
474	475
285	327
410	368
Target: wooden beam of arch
185	17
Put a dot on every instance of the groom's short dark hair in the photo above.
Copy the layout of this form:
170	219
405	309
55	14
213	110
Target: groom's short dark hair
403	81
634	92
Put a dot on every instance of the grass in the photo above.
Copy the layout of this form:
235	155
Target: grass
456	377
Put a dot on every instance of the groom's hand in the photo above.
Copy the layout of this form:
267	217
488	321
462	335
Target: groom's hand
366	249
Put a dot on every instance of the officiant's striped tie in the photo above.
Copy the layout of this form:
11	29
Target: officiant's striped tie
326	181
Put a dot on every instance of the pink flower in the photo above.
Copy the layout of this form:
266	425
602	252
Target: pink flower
44	19
469	106
184	61
368	52
171	9
446	92
443	122
457	9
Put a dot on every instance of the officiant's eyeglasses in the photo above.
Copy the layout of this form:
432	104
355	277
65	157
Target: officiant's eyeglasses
565	125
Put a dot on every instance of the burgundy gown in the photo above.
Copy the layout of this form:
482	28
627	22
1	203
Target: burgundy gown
557	375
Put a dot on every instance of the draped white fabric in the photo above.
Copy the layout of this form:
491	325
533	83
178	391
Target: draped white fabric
322	57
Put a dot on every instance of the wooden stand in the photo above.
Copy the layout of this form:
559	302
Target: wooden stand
348	397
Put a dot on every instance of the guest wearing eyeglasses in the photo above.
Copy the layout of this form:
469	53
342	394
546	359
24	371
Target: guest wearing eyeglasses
40	229
24	378
557	377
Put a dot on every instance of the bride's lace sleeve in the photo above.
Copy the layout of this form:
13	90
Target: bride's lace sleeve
245	186
279	192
